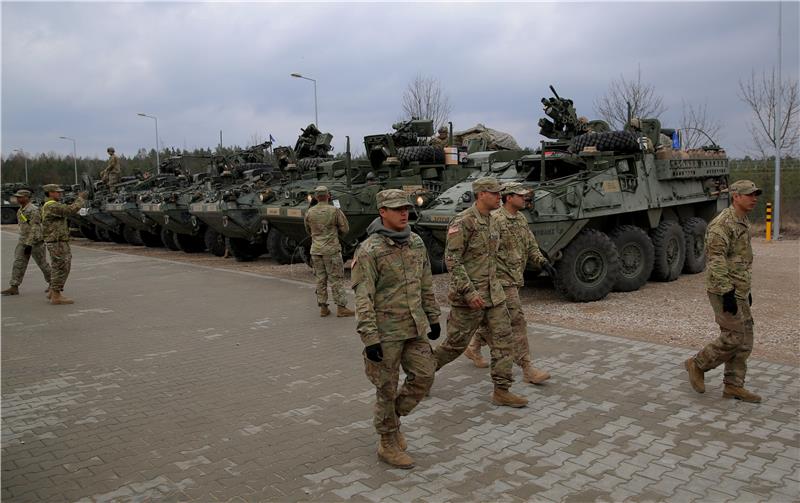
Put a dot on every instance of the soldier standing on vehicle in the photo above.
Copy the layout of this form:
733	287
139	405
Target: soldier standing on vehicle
440	141
396	308
518	246
55	232
729	259
476	294
326	224
30	242
110	175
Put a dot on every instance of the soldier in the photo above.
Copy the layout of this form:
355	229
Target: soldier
326	224
729	259
518	246
110	175
30	242
55	231
476	295
396	307
441	140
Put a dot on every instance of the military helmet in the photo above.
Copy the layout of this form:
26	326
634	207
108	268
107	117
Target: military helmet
443	129
110	150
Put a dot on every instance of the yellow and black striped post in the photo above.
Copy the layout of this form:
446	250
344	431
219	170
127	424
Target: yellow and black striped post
769	221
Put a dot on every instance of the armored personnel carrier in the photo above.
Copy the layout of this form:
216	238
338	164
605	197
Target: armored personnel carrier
611	209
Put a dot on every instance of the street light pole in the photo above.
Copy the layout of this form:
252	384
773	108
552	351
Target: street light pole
25	158
158	161
74	156
316	117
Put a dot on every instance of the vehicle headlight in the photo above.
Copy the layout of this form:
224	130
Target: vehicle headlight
420	201
309	198
466	197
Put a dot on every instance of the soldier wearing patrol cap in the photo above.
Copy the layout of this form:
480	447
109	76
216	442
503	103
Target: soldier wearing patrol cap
475	293
110	175
30	242
395	308
55	232
440	141
326	224
729	261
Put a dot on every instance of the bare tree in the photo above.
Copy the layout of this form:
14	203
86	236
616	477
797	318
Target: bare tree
613	106
694	122
760	95
424	99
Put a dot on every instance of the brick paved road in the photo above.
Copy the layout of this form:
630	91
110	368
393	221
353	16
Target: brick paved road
246	393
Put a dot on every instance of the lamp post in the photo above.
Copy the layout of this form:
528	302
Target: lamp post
25	158
158	161
316	117
74	156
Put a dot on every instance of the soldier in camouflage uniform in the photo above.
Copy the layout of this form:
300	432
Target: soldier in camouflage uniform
110	175
729	260
518	246
396	308
30	242
325	224
476	294
440	141
55	232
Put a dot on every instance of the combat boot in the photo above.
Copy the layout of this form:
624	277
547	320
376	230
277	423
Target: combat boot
533	375
390	453
476	358
324	311
12	290
57	298
507	398
343	312
739	393
401	440
696	376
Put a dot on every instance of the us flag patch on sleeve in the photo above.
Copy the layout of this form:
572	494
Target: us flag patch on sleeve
453	229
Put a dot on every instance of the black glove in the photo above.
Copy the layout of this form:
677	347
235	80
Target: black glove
374	352
436	331
750	299
28	250
729	302
549	269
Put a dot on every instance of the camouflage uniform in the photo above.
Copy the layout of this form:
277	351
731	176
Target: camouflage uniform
325	223
112	171
55	232
30	235
438	142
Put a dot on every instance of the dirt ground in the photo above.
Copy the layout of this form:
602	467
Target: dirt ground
675	313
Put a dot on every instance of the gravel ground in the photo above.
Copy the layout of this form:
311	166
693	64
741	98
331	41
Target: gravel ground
676	313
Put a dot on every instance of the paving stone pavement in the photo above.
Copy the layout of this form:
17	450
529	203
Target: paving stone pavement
172	382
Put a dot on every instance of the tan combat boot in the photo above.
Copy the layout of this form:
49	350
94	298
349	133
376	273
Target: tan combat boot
401	440
57	298
505	397
739	393
533	375
696	376
390	453
324	311
343	312
476	358
12	290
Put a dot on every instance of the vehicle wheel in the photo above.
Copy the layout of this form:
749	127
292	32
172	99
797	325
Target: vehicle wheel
89	233
132	236
9	216
694	231
670	251
151	239
308	163
189	243
244	250
589	267
435	251
616	141
102	234
168	239
281	248
425	153
117	237
636	257
215	242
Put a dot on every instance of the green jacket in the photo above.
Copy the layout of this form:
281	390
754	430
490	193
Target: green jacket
325	224
729	255
518	246
30	225
54	219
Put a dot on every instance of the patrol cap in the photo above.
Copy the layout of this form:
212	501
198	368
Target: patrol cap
23	193
514	188
321	191
744	187
52	187
392	198
486	184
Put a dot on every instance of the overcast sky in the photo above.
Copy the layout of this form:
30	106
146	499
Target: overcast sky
86	69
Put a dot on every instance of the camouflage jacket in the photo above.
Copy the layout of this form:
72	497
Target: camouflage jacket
729	256
112	166
471	258
518	246
394	290
54	219
438	142
325	223
30	225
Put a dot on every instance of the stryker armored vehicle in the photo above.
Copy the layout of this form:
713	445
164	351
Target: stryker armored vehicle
611	209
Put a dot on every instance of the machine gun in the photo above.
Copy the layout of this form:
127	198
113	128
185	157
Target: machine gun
410	133
563	123
313	143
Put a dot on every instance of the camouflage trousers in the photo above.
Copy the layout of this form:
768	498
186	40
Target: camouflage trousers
416	358
329	269
60	263
519	330
734	343
21	260
462	322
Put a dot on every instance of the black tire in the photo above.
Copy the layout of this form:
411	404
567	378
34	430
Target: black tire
282	249
117	237
636	255
152	239
694	232
425	153
189	243
102	234
611	141
670	251
89	233
308	163
132	236
9	216
435	251
589	267
168	239
215	242
244	250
